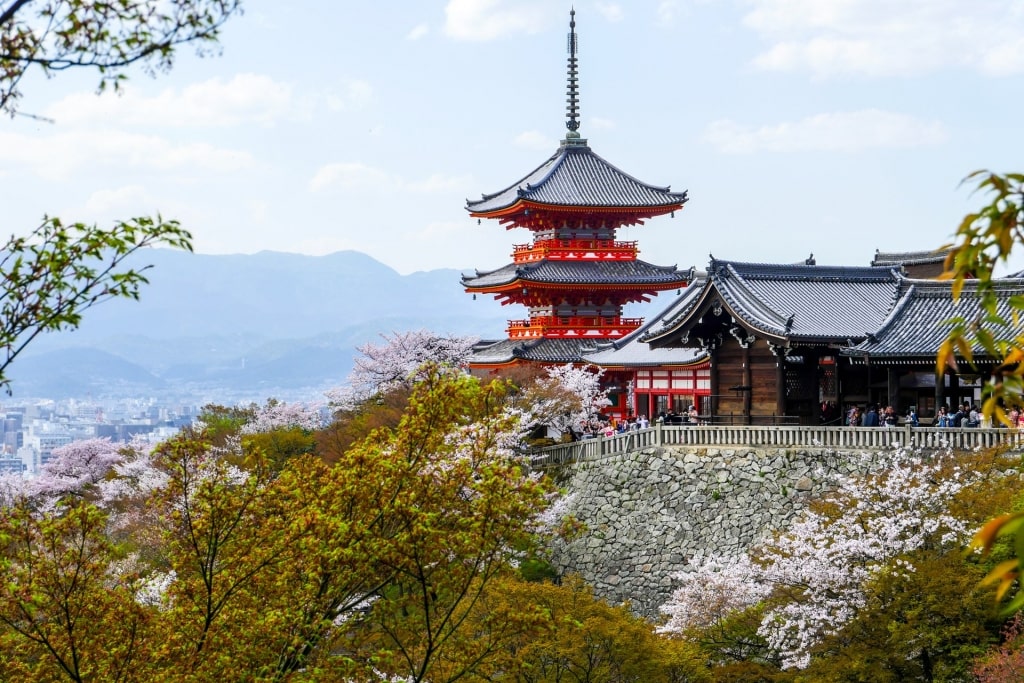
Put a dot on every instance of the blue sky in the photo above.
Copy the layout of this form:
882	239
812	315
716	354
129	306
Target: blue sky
836	127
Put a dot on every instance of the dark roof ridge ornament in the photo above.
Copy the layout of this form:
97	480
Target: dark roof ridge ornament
572	107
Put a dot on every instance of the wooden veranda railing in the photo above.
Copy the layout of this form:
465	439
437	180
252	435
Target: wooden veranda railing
867	438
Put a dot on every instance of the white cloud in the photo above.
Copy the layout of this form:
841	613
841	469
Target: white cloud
418	32
109	205
350	176
357	176
533	139
490	19
439	183
610	11
246	98
58	156
354	94
667	12
129	197
834	132
259	210
885	38
442	230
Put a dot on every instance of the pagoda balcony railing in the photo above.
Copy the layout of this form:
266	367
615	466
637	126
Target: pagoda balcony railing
573	327
575	250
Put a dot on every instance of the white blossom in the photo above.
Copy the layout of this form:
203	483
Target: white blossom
13	487
568	398
280	415
135	475
714	588
382	367
819	567
152	590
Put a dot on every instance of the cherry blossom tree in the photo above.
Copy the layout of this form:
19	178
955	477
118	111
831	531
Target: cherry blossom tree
714	589
381	368
275	414
566	399
78	467
13	487
816	573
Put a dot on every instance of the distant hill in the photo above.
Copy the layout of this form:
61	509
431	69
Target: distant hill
245	326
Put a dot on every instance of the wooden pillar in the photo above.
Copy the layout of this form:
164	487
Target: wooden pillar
715	384
867	365
780	383
812	378
840	403
748	383
892	376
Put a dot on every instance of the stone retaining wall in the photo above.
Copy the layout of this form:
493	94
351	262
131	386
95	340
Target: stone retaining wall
650	513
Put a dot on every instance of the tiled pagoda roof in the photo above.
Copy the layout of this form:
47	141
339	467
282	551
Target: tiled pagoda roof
908	258
916	326
576	177
793	301
581	273
542	350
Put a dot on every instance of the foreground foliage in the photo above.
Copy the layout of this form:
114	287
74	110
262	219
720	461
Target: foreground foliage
198	561
57	35
252	544
984	240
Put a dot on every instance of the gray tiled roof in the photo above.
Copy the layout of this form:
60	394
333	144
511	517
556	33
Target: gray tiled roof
575	176
916	326
796	301
900	258
544	350
581	273
632	351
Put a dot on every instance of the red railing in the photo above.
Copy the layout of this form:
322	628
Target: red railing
575	250
574	327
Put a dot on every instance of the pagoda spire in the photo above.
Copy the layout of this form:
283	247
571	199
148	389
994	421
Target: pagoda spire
572	109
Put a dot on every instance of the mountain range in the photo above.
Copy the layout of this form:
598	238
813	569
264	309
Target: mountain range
228	328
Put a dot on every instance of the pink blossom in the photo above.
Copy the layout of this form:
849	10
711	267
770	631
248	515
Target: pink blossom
280	415
383	367
76	467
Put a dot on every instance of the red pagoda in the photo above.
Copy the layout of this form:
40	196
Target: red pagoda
574	277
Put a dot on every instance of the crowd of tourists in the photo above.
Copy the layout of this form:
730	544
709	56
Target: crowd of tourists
965	415
601	426
598	426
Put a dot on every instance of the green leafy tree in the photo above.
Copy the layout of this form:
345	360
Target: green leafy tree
58	35
589	640
459	509
58	270
65	616
55	273
985	240
923	620
285	566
